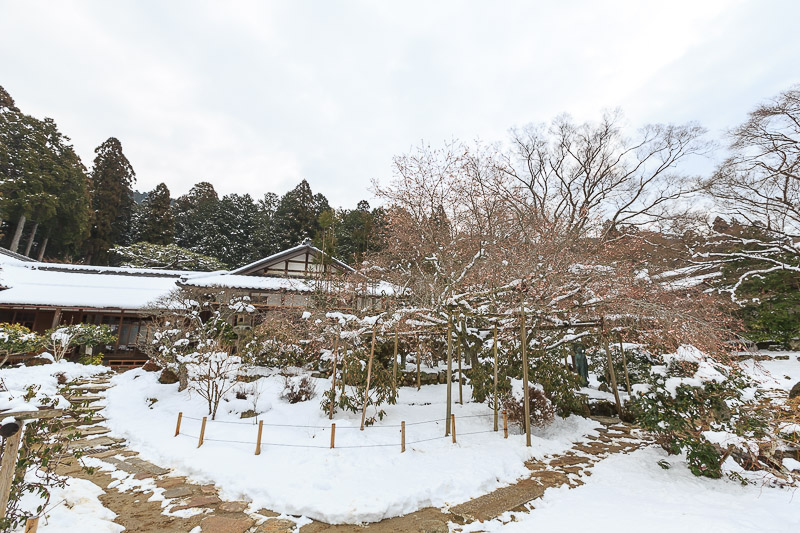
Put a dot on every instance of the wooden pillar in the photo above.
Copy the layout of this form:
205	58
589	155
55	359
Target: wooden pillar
460	373
56	318
258	439
495	377
8	466
525	392
402	436
369	376
178	425
119	331
419	355
625	366
333	376
449	372
394	360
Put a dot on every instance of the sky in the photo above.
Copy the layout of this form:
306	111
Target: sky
255	96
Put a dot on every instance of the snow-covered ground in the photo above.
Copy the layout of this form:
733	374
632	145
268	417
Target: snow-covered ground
632	493
340	485
780	371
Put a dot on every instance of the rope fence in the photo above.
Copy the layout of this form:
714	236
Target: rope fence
258	443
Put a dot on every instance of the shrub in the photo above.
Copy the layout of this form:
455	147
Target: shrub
541	409
297	389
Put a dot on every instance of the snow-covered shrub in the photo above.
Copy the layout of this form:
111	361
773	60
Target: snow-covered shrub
170	256
638	361
61	340
212	372
692	399
541	409
16	339
297	389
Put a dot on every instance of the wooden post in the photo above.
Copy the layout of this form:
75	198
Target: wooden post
333	435
625	366
419	356
453	423
8	466
394	360
258	439
333	377
449	372
202	432
495	377
525	392
32	525
178	425
505	424
610	367
460	379
369	376
402	436
344	364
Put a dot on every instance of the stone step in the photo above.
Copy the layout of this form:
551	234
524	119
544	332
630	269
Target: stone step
91	387
85	431
84	398
96	442
72	421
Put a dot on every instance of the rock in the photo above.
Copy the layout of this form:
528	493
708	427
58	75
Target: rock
197	501
151	366
795	392
276	525
222	524
168	377
37	361
248	414
170	482
208	489
233	507
179	491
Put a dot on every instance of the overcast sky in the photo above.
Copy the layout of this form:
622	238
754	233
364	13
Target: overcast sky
254	96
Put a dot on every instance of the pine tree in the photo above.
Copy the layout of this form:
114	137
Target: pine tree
157	223
263	235
112	200
195	215
297	216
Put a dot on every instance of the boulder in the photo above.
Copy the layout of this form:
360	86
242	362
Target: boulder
37	361
168	377
151	366
795	392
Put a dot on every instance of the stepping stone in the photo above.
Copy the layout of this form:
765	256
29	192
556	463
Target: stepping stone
92	387
222	524
282	525
170	482
87	431
122	465
180	491
233	507
87	444
197	501
148	466
208	489
72	421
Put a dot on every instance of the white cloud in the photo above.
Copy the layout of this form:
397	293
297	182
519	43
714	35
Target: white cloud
254	96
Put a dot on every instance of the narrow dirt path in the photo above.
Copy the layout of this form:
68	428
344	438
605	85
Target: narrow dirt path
146	498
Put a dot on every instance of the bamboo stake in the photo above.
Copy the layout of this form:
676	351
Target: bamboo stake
394	360
402	436
453	423
333	376
449	371
495	377
32	525
369	377
525	392
505	424
344	364
611	369
258	440
333	435
419	356
625	366
178	425
202	432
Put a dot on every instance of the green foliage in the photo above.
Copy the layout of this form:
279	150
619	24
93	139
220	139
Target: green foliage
772	311
168	257
16	339
157	223
351	396
639	363
297	216
678	410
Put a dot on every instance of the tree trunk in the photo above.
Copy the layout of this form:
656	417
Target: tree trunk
30	239
183	378
17	234
42	248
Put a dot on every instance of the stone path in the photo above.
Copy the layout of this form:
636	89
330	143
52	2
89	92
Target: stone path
182	506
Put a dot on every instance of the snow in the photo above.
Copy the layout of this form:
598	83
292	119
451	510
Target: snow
632	493
17	379
341	485
75	507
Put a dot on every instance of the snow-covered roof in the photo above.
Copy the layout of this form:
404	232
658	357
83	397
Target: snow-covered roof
269	283
289	252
